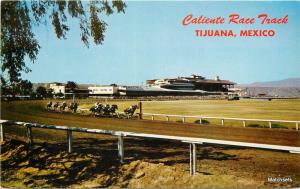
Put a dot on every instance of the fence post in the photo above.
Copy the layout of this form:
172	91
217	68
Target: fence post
152	117
120	149
200	121
2	132
244	123
141	110
183	119
297	126
167	118
29	135
270	124
192	158
69	138
222	122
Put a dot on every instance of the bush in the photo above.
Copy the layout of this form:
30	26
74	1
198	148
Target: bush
274	125
204	122
254	125
279	126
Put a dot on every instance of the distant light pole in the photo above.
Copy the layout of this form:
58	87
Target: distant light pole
73	94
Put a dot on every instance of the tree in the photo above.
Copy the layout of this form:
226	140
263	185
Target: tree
24	87
18	18
41	91
50	92
5	89
71	85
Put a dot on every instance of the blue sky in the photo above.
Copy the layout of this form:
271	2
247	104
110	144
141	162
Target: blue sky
149	41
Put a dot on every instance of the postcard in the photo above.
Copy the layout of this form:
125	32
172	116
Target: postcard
150	94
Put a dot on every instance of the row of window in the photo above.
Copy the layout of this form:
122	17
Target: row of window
94	90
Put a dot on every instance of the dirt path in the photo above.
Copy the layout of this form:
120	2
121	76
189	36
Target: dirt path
32	111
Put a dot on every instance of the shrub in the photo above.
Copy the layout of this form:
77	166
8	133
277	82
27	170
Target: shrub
274	125
279	126
254	125
204	121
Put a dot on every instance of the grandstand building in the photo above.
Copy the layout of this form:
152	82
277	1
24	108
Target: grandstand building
194	85
195	82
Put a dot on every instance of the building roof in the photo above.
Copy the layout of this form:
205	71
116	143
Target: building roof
196	79
223	82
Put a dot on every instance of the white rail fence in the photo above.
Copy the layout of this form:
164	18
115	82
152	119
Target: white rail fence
121	134
222	119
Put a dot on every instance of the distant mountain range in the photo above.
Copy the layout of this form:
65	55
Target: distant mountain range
291	82
282	88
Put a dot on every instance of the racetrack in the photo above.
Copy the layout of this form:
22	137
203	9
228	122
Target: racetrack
33	111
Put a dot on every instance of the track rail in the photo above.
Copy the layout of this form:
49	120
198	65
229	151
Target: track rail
243	120
121	134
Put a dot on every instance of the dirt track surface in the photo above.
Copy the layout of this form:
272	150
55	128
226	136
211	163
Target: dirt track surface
148	164
32	111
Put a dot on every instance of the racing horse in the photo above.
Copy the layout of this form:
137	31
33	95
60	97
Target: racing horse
49	105
73	106
130	111
62	106
55	105
110	110
113	110
106	110
97	109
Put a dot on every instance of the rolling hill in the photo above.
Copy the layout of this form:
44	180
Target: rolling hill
291	82
284	88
